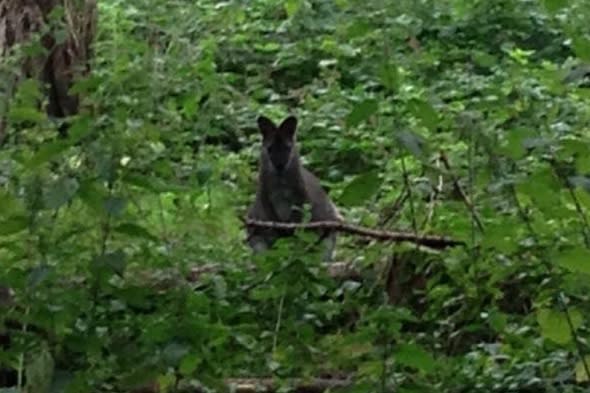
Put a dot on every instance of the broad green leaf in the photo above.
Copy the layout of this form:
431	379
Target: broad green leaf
9	204
360	189
135	230
583	164
166	382
361	112
554	325
93	194
501	235
497	321
47	152
189	363
514	145
292	6
412	355
581	371
13	224
79	129
425	113
29	92
582	47
115	261
583	197
542	187
554	5
60	192
389	76
357	28
484	59
22	114
576	260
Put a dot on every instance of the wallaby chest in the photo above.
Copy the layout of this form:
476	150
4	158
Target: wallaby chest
286	199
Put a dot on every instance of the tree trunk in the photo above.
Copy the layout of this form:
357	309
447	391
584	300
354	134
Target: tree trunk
62	61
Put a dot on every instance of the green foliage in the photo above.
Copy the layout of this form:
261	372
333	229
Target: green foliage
123	241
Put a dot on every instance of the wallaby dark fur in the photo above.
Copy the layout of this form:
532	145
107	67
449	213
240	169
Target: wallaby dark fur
284	186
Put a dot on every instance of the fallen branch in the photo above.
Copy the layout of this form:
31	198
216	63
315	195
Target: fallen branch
431	241
315	385
266	385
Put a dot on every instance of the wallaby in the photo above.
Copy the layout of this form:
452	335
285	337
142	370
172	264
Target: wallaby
284	186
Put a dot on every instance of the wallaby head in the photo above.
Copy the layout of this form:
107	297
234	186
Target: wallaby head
279	149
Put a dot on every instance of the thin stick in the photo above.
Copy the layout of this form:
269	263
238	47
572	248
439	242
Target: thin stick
462	194
432	241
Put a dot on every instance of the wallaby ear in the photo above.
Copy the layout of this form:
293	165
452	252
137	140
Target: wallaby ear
266	126
289	126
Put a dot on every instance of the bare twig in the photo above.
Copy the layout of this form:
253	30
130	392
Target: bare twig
461	192
432	241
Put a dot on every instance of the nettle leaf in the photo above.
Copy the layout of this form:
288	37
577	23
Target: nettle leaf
389	75
484	59
581	373
60	192
514	147
13	224
189	364
554	324
581	47
542	187
9	204
360	189
135	230
79	129
500	235
46	153
93	194
29	92
425	113
18	114
291	7
414	356
554	5
114	261
575	259
361	112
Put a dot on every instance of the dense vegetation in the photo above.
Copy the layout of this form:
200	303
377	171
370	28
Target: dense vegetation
124	245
